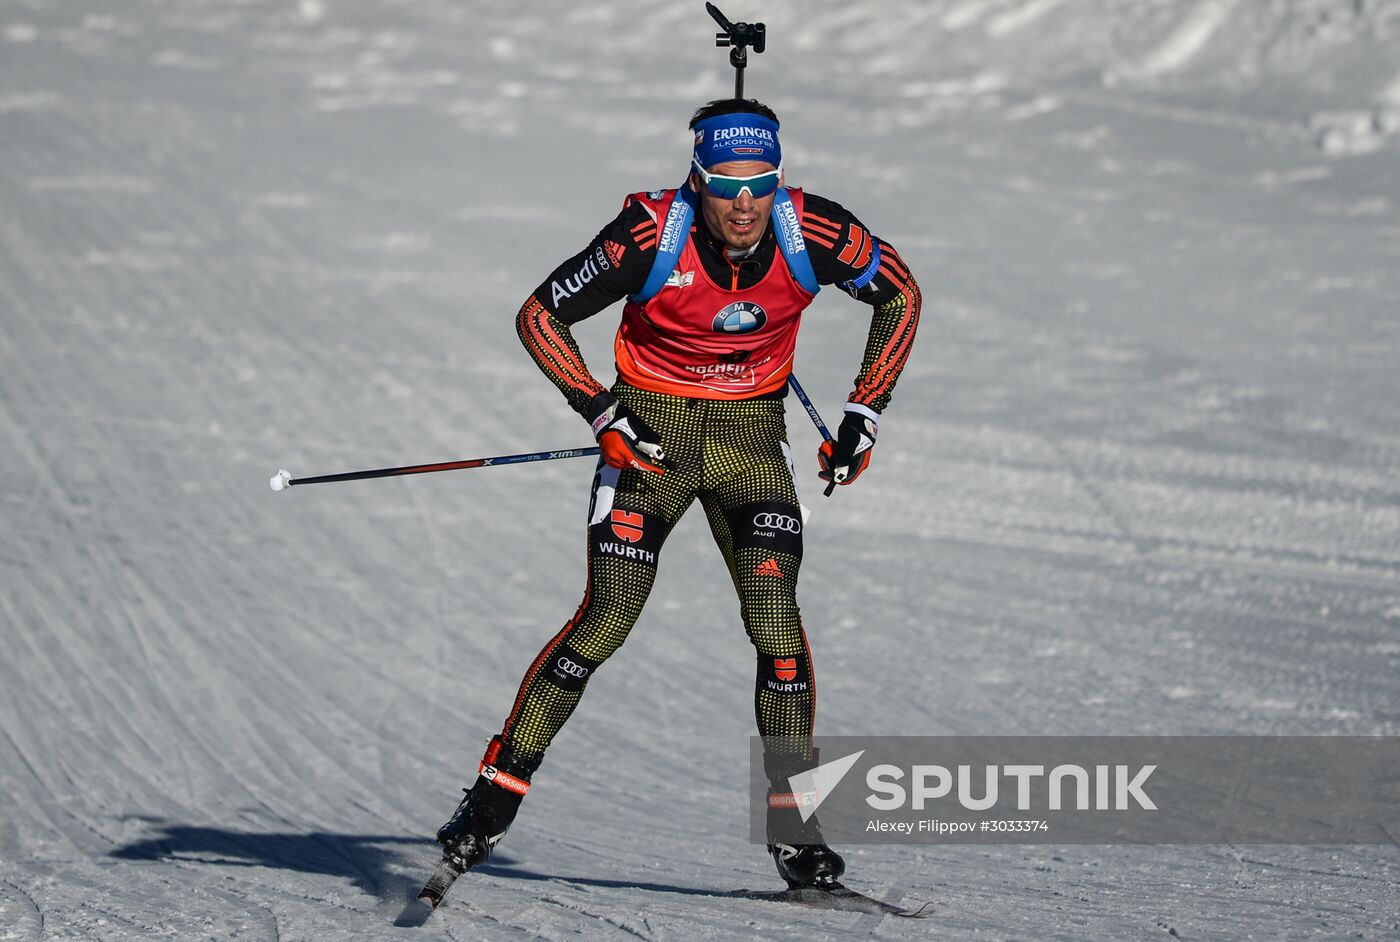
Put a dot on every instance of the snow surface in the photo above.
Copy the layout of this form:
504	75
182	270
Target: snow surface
1139	477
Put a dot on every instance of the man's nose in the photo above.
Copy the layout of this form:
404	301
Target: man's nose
744	201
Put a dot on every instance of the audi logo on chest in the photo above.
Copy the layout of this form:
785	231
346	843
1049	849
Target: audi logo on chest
777	522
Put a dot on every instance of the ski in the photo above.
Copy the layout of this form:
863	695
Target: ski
430	897
836	897
439	883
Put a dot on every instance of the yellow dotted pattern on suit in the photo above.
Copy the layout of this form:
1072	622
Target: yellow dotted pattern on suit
727	454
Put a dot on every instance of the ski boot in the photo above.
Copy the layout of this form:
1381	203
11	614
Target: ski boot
797	846
488	808
804	865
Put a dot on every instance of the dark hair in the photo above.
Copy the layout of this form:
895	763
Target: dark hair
733	106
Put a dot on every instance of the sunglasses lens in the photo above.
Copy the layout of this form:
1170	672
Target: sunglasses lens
729	188
764	185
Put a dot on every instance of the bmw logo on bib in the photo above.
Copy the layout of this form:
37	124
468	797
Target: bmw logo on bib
741	317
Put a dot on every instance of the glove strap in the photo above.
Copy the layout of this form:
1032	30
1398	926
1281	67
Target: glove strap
606	405
865	411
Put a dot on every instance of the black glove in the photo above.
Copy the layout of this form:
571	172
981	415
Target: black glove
844	457
626	440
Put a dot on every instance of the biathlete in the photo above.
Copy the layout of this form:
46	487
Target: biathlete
716	274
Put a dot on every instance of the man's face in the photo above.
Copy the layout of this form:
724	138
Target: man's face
738	223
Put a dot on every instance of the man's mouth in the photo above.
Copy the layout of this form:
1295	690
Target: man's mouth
742	225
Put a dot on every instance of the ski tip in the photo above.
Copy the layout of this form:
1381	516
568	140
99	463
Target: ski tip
438	884
432	896
835	896
415	913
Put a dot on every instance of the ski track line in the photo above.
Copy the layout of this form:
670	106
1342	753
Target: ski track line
1294	490
14	689
19	435
312	626
280	890
240	901
146	929
1095	494
606	920
188	735
1362	571
482	912
154	704
39	929
1394	884
347	714
1243	471
174	433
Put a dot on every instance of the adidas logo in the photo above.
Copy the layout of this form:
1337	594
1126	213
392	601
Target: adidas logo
614	251
769	567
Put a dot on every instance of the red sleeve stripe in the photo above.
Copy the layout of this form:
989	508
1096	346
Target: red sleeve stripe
557	368
567	358
821	238
543	357
813	219
644	234
890	362
893	267
551	352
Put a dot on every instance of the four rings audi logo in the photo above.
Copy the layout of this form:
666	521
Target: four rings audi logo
570	668
777	522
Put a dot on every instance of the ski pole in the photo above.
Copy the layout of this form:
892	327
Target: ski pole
816	420
811	409
283	479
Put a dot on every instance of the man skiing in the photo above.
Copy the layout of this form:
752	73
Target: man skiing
716	273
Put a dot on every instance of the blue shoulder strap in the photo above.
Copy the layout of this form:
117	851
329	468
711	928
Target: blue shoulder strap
789	230
675	229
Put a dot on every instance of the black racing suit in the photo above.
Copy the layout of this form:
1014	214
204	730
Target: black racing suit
730	454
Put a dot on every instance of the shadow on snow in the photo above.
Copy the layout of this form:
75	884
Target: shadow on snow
374	863
368	861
